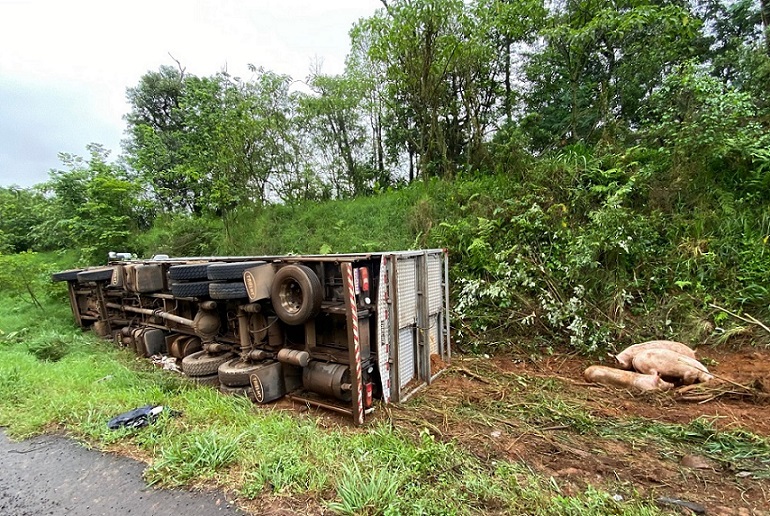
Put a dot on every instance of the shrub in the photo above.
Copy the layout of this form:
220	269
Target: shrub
50	346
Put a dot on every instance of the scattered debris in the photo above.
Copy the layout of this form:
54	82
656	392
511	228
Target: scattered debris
166	362
696	508
136	418
725	389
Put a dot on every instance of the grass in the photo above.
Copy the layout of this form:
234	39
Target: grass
393	220
255	451
359	493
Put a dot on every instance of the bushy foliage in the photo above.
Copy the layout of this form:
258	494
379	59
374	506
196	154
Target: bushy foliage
25	277
50	346
581	255
94	207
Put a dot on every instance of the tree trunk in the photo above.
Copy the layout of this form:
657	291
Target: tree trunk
765	12
507	100
379	149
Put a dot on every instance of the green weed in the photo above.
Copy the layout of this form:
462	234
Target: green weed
366	493
195	455
50	346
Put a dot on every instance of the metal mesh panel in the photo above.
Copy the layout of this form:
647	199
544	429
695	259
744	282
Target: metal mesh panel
435	290
433	334
407	292
406	367
384	331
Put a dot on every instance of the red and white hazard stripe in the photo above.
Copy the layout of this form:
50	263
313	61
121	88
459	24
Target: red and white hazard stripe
353	309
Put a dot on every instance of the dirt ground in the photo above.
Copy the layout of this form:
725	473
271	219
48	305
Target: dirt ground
56	476
490	406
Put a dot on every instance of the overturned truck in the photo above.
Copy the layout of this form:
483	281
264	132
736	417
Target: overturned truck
334	331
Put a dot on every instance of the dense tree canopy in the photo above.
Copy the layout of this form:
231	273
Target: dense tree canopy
428	88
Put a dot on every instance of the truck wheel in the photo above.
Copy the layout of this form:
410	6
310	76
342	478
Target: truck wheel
70	275
236	372
102	274
211	380
245	391
204	364
229	271
227	290
187	272
191	289
296	294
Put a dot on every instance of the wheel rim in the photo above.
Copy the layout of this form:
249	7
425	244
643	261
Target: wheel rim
291	297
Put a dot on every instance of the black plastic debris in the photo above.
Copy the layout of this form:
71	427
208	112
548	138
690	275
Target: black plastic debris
136	418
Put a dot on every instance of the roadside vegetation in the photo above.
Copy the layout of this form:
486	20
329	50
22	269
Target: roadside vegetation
54	378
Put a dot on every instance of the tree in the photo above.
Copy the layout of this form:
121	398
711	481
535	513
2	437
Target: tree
93	205
597	64
21	210
332	117
156	132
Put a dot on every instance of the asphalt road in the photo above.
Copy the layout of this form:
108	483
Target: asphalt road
52	475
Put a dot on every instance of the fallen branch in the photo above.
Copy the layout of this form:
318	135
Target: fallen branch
748	319
472	375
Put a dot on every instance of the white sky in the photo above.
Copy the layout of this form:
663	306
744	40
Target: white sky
65	64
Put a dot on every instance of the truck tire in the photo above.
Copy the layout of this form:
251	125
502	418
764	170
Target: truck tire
236	372
296	294
227	290
103	274
204	364
190	289
245	391
211	380
187	272
229	271
69	275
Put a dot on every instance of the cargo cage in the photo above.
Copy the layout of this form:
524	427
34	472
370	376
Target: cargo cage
334	331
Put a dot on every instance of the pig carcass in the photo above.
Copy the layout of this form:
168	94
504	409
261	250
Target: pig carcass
670	364
625	379
626	357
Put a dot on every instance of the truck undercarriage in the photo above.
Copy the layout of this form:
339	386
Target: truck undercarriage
334	331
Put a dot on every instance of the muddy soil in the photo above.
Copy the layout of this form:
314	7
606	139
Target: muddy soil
529	411
56	476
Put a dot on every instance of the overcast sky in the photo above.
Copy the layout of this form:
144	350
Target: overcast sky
65	64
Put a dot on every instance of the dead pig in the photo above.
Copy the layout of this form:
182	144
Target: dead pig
670	364
625	379
626	357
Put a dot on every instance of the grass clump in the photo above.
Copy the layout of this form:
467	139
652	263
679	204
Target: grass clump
366	493
737	448
195	455
50	346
